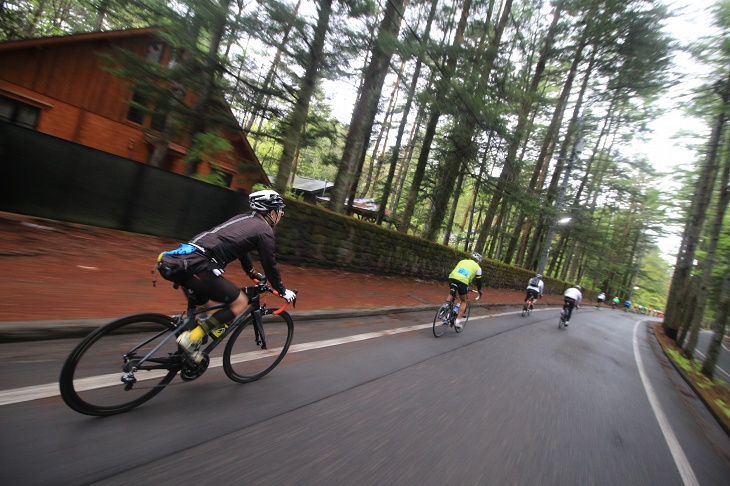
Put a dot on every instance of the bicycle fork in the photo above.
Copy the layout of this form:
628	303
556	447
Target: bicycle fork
258	327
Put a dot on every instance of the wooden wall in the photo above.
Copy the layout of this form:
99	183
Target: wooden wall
83	103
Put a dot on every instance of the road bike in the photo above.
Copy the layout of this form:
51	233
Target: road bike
447	312
130	360
527	307
562	322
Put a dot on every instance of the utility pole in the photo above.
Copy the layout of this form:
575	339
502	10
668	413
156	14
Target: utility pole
577	150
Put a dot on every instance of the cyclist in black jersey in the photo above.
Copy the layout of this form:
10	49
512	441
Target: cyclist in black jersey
212	250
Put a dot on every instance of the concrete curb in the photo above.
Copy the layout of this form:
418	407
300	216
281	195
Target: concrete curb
77	328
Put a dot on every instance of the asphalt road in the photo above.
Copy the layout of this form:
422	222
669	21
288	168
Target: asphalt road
510	400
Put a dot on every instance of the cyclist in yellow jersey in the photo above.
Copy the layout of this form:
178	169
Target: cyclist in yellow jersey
462	276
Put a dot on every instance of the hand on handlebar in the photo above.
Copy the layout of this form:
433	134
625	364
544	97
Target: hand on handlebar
256	276
289	295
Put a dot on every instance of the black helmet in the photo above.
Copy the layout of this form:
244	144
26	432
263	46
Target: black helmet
266	200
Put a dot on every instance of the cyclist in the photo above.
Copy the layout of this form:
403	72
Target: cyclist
627	305
199	265
615	302
572	297
462	275
601	297
535	288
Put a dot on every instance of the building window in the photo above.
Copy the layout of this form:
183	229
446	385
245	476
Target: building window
136	111
19	113
220	177
154	52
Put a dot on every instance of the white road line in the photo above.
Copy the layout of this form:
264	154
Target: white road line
37	392
685	469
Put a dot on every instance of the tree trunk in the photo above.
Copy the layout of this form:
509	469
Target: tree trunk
395	154
298	117
708	262
676	305
718	328
209	71
366	106
448	73
511	170
262	99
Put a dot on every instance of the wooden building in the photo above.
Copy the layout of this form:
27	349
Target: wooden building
58	86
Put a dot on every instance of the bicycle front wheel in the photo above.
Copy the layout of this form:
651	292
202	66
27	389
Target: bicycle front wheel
91	378
464	317
441	321
244	360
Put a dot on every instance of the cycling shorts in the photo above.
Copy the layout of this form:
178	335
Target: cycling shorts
208	285
461	287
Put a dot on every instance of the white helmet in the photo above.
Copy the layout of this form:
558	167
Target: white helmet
266	200
476	256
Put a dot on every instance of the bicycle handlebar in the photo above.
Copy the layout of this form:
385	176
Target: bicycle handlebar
268	288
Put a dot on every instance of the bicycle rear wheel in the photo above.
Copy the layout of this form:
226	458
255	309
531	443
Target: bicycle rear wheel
244	360
524	310
91	378
464	317
561	321
441	320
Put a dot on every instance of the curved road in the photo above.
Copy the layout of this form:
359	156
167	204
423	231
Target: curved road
379	400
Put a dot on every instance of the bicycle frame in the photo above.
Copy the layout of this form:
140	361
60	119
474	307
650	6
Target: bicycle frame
188	317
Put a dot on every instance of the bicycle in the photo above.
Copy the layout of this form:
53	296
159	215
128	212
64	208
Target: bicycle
563	322
527	307
130	360
446	314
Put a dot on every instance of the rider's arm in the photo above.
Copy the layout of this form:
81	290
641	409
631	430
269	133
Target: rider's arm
478	280
267	255
247	264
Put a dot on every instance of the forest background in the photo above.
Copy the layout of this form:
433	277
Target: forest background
479	124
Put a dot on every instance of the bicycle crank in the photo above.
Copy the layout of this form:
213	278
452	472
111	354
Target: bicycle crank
191	371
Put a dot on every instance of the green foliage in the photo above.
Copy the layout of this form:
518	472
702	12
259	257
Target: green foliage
724	407
653	281
209	146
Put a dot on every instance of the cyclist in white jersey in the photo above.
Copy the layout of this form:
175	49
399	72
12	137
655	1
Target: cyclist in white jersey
572	297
